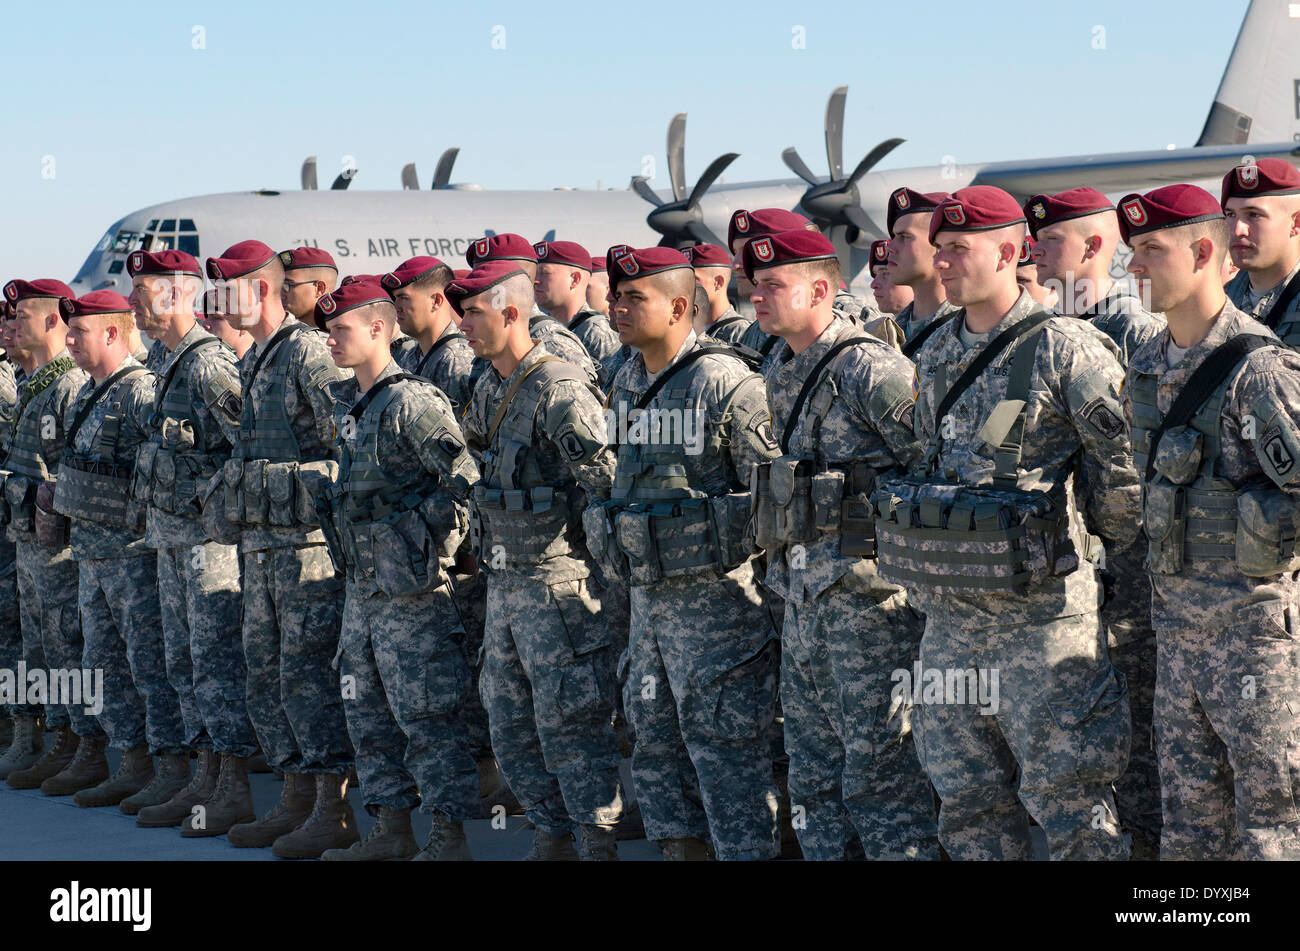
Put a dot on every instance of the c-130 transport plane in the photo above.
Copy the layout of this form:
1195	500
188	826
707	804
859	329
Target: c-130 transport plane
1256	113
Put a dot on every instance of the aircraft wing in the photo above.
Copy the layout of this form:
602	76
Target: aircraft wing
1121	171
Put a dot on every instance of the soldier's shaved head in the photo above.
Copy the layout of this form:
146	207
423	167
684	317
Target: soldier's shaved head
679	282
978	271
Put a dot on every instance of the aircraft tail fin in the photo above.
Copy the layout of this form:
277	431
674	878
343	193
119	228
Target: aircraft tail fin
1259	96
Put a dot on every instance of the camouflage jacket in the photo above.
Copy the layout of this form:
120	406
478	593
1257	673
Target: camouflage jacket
911	326
563	343
731	327
599	337
447	365
1122	318
1286	326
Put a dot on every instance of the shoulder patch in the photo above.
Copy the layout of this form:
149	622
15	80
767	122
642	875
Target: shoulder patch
571	445
1098	415
761	424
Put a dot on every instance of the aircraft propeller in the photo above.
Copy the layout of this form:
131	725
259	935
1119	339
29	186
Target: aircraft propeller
441	174
681	222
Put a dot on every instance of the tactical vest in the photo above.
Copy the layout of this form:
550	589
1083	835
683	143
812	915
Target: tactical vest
265	430
169	470
661	525
800	496
91	486
947	537
1192	515
26	462
513	507
384	538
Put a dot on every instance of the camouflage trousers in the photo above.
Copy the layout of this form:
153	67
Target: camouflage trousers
1229	746
293	608
1053	739
471	602
118	600
1126	619
853	765
199	593
11	634
547	686
702	684
405	683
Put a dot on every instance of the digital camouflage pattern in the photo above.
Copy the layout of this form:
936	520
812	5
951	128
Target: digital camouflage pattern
853	766
1287	325
447	365
405	655
11	640
562	342
546	681
595	332
1227	699
1073	424
911	325
730	328
1122	318
701	687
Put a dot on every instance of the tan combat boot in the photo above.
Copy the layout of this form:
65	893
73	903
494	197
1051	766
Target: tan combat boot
89	767
135	772
684	850
597	844
171	776
331	825
25	747
176	809
54	760
296	799
446	843
231	803
389	840
494	791
552	848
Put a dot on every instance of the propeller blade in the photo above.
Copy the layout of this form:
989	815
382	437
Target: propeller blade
677	155
835	131
702	233
410	181
645	191
860	219
716	168
843	250
343	181
442	174
874	156
797	165
309	173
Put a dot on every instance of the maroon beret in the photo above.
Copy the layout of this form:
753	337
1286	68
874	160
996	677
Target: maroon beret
409	271
785	247
18	289
1026	253
238	260
976	208
306	257
905	201
751	224
614	251
359	279
1269	176
461	273
879	253
164	262
1044	210
1166	207
485	276
707	255
357	294
636	263
568	253
96	302
597	265
499	247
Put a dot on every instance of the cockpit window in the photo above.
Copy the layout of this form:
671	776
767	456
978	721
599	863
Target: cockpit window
173	234
125	241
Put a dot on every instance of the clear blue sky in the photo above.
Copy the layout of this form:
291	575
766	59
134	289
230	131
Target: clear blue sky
133	114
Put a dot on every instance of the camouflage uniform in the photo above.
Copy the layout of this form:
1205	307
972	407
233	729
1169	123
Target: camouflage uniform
399	512
730	328
1227	704
11	638
1287	325
563	343
1126	612
446	365
402	348
911	326
702	656
1060	734
547	670
192	423
293	602
852	761
594	331
117	594
46	577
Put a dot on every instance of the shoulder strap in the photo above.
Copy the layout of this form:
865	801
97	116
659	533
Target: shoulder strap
913	346
580	319
370	394
724	322
94	399
514	388
1205	379
1283	301
171	372
437	345
991	352
768	344
811	381
271	345
1006	457
676	368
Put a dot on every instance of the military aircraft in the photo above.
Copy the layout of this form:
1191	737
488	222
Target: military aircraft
1255	113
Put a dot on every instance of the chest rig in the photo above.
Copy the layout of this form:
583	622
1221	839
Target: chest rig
25	463
93	485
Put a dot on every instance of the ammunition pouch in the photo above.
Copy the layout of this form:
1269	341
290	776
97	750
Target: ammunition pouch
1266	532
52	529
959	539
664	540
96	491
213	510
392	542
599	529
525	523
19	502
279	494
793	505
1189	523
169	479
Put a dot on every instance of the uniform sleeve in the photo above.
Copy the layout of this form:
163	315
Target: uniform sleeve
747	427
882	402
427	425
571	418
321	383
1091	381
215	396
473	422
1269	400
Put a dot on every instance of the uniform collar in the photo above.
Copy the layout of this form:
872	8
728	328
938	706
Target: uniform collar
1227	324
801	365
